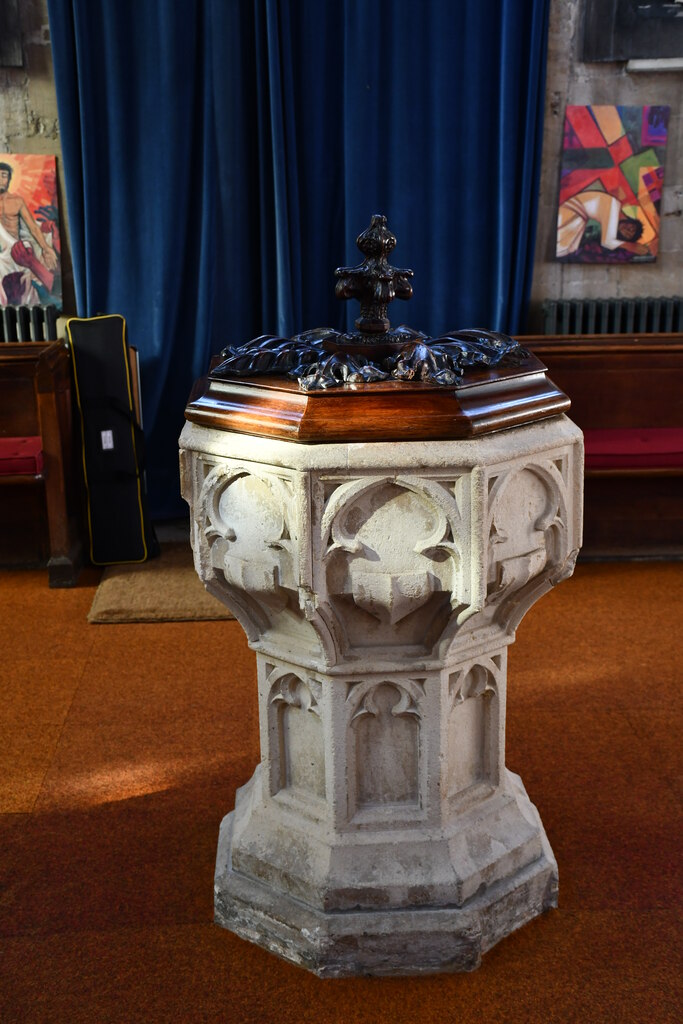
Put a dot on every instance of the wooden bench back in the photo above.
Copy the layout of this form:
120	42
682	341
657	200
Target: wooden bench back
616	381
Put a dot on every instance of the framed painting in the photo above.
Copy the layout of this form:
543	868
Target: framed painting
30	246
611	182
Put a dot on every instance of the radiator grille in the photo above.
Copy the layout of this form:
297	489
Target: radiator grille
28	323
613	316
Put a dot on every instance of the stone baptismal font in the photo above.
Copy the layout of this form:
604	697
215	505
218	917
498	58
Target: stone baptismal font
379	509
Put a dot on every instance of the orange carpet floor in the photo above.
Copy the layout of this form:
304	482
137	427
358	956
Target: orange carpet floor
120	751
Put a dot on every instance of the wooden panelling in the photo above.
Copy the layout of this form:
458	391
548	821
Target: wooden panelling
624	381
39	516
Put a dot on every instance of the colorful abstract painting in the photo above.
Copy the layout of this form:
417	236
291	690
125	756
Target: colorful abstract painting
30	248
611	184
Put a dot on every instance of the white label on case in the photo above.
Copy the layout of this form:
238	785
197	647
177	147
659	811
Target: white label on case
107	440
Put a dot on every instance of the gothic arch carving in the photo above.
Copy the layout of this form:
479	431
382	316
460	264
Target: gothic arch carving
473	727
386	746
234	521
526	527
476	681
390	543
296	754
246	546
290	689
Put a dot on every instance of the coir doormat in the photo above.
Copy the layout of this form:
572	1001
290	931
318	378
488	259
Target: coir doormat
165	589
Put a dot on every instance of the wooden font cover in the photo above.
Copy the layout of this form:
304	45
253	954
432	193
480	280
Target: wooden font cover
375	383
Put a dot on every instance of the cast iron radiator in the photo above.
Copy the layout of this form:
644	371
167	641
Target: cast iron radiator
28	323
613	316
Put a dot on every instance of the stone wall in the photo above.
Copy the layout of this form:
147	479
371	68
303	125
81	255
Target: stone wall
28	113
571	81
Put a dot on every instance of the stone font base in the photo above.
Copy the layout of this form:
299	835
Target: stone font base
380	585
401	941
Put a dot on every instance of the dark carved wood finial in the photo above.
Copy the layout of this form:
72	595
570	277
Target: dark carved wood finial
374	282
326	358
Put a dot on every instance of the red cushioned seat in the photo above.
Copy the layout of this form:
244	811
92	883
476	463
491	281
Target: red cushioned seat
635	448
21	456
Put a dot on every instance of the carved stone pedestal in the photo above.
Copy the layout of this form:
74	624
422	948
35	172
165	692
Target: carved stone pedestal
380	585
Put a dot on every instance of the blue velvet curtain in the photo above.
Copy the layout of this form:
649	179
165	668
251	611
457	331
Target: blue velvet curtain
221	156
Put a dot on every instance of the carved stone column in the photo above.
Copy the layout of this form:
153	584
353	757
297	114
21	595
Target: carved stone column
380	585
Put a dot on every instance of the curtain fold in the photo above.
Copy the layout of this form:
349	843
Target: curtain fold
221	156
137	131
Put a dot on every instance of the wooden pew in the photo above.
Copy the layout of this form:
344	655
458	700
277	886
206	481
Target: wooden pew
40	505
627	397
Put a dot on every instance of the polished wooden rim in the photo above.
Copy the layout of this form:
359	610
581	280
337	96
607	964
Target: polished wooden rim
387	411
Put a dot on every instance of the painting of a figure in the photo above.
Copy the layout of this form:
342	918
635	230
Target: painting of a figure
29	231
611	184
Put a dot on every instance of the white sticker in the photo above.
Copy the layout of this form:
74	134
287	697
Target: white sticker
107	440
